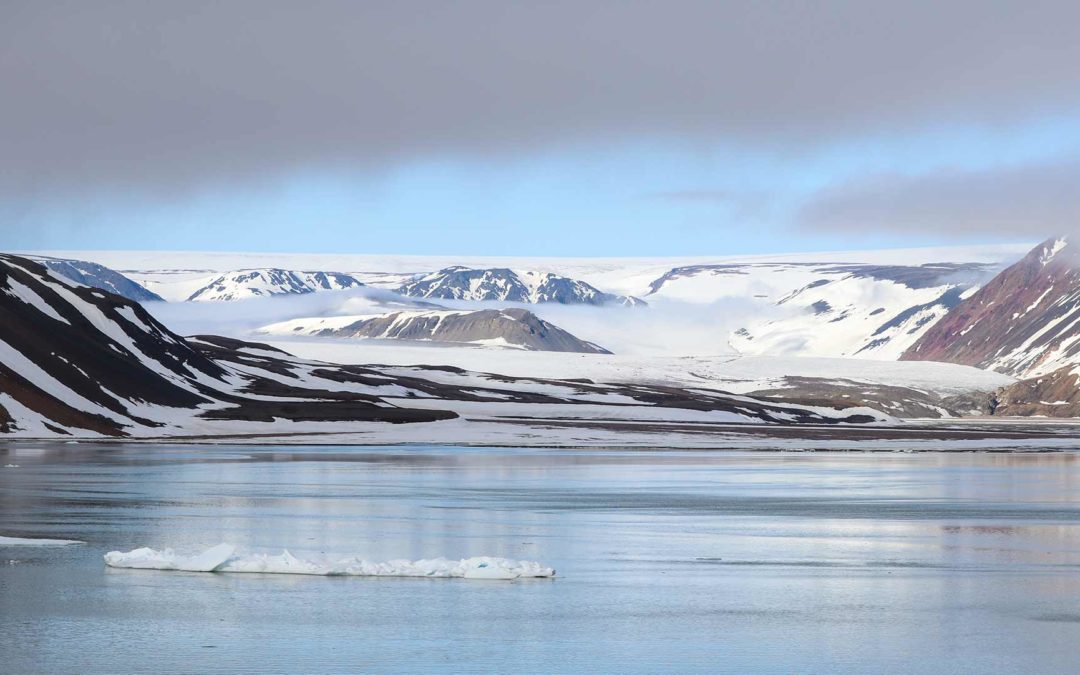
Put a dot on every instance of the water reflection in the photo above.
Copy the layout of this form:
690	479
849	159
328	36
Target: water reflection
668	560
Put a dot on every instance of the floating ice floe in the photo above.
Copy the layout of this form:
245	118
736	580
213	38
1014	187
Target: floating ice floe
223	558
20	541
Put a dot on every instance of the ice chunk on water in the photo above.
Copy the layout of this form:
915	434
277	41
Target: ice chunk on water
482	567
20	541
147	558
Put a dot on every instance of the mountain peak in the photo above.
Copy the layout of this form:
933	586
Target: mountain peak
507	285
268	281
1054	248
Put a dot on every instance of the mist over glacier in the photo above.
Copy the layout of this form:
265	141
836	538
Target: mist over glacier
668	327
242	317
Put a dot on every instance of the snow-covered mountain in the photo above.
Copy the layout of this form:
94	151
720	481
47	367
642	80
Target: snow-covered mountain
870	304
98	276
79	361
515	328
828	309
507	285
255	283
173	274
1024	322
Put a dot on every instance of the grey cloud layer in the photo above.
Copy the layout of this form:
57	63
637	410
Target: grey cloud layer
158	95
1038	200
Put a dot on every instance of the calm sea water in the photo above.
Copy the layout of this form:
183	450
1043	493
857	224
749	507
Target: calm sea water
668	561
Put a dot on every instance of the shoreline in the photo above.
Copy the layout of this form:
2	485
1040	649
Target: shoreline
956	435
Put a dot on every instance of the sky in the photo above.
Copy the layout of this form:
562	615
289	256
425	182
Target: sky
584	128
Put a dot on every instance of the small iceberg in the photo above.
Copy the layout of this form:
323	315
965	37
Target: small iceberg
223	558
20	541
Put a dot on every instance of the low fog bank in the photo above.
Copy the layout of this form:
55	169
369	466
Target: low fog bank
241	318
665	328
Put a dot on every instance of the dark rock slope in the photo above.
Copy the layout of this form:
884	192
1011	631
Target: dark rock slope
78	359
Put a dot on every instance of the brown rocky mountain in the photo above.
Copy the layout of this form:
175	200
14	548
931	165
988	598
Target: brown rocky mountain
1056	394
1023	322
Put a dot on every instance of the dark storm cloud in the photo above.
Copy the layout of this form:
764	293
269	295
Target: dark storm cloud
1035	200
147	95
